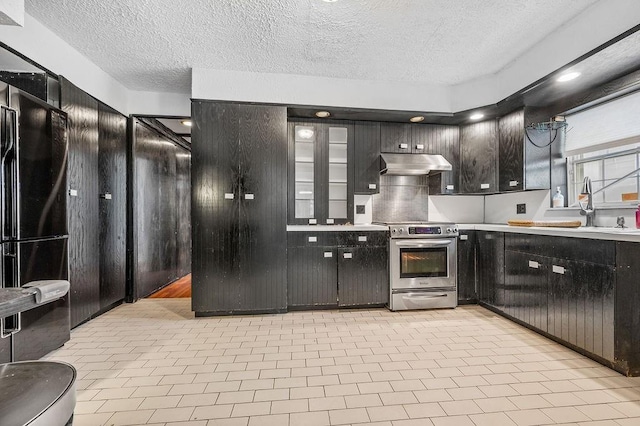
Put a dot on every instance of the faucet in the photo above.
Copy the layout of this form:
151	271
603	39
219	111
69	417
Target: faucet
587	210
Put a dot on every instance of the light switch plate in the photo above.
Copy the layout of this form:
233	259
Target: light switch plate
360	209
521	208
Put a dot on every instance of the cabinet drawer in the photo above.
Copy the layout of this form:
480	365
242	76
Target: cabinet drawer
311	239
579	249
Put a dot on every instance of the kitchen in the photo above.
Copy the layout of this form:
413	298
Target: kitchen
251	272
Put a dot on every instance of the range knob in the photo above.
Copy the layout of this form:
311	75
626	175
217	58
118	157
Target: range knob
393	230
455	229
449	230
399	230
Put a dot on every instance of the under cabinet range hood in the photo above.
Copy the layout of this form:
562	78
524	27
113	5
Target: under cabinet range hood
413	164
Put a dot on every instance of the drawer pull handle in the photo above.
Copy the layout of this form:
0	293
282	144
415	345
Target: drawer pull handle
248	196
558	270
485	186
373	186
419	146
313	221
313	239
533	264
450	187
404	146
513	183
73	192
347	255
330	221
362	238
464	237
328	254
229	196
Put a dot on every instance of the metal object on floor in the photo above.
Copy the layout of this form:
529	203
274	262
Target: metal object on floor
37	393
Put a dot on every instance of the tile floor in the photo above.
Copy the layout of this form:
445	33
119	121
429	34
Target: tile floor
154	363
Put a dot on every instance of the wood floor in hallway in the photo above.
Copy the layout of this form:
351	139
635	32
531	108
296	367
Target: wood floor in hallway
178	289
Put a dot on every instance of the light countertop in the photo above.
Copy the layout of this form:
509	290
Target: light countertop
594	233
336	228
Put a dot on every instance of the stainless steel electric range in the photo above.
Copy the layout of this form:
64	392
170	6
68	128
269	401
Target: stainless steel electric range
423	265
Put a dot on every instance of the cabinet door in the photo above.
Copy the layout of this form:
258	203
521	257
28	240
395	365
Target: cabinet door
366	158
262	194
490	267
511	151
478	144
445	141
336	174
395	137
627	300
312	277
214	208
467	267
305	164
363	277
525	283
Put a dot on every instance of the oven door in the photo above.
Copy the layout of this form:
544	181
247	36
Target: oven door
423	263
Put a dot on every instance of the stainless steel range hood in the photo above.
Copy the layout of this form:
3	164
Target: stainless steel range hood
413	164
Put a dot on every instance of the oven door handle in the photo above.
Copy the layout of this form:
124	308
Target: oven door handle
421	296
424	243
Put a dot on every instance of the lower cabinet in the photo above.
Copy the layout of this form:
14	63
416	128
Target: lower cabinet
337	269
490	265
363	278
467	268
526	288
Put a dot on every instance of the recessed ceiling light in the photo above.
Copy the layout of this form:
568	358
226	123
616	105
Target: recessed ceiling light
568	76
416	119
187	123
323	114
329	1
477	116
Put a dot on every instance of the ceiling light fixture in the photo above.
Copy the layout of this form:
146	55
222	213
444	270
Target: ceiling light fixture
477	116
305	133
187	123
568	76
323	114
329	1
416	119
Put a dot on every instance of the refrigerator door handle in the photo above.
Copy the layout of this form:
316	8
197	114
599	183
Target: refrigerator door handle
10	325
9	174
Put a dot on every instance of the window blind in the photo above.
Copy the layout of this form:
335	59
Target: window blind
614	123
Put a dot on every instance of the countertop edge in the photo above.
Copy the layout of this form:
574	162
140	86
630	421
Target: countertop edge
551	231
336	228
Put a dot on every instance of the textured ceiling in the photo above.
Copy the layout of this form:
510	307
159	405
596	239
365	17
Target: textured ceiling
153	44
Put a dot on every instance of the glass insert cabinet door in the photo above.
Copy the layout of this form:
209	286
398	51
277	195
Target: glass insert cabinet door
320	182
304	177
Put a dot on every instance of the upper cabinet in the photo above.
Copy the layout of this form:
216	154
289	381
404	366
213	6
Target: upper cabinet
366	163
478	157
321	172
442	140
511	151
395	137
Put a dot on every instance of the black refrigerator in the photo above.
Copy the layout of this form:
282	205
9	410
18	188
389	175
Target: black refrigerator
33	211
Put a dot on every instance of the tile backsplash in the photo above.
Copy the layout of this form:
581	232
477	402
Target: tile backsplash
401	198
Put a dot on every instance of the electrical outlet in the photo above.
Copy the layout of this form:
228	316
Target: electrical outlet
360	209
521	208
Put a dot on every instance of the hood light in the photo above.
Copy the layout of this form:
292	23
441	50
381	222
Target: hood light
323	114
568	77
416	119
477	116
187	123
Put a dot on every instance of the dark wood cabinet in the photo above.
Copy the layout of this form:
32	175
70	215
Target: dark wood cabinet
366	161
627	313
337	269
239	175
467	267
363	277
490	267
511	143
478	157
526	288
321	182
395	138
445	141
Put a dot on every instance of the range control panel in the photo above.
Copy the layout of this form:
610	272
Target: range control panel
424	231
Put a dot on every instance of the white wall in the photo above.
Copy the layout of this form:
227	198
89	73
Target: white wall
44	47
310	90
12	12
499	208
456	208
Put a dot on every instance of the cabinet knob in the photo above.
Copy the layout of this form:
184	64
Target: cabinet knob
328	254
248	196
558	269
229	196
347	255
403	146
420	146
106	196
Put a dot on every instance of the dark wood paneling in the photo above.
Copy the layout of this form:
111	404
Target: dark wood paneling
239	245
511	151
525	288
627	315
363	276
467	267
214	219
112	168
183	209
82	209
392	135
367	158
478	157
490	261
592	251
262	226
312	277
154	207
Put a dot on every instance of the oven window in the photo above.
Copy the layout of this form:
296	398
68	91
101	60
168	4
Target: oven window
423	262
